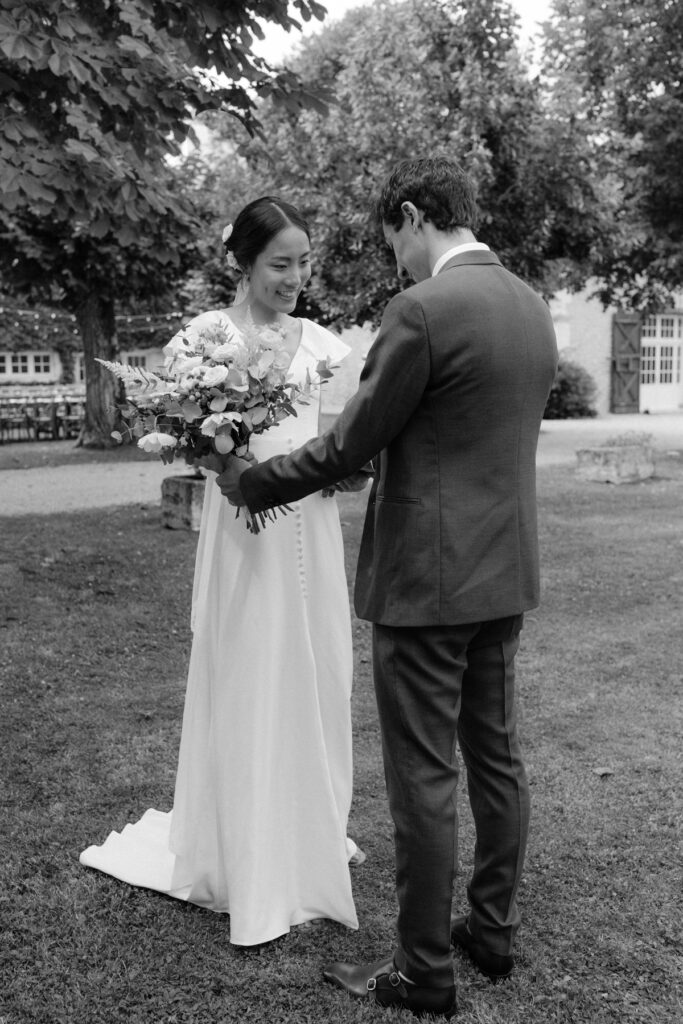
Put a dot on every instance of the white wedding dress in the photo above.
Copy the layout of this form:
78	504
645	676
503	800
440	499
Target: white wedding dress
263	789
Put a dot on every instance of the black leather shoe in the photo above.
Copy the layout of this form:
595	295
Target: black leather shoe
495	966
382	984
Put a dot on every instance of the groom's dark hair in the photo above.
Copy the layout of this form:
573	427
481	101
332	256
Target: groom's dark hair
436	185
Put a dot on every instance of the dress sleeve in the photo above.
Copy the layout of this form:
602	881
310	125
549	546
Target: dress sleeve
323	344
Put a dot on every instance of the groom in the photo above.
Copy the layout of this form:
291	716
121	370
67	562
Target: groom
449	405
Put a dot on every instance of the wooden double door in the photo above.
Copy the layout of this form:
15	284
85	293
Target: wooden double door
647	363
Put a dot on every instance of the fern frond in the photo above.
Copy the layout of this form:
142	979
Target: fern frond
141	378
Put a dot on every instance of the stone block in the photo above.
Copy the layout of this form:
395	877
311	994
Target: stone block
615	464
182	498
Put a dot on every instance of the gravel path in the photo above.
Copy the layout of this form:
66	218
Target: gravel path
86	485
560	439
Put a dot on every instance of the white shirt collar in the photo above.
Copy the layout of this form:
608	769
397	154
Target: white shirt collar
455	251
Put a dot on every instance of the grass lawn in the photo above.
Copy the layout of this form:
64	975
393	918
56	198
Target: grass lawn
95	638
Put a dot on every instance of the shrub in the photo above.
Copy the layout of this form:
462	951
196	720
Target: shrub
572	394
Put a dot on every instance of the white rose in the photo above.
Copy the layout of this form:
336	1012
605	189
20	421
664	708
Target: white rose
156	442
268	337
214	375
281	359
224	353
184	364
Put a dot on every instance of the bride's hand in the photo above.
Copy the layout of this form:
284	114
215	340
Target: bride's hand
229	479
212	461
218	463
355	482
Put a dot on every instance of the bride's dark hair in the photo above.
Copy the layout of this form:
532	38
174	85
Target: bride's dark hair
257	224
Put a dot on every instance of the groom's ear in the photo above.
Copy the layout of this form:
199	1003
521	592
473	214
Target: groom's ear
411	214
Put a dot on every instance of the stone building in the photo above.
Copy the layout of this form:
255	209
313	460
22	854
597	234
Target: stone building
636	362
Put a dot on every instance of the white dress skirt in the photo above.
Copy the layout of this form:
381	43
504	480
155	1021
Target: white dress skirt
264	781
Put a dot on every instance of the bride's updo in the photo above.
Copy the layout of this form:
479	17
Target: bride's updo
255	226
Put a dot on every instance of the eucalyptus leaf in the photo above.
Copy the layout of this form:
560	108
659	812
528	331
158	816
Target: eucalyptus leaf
258	415
224	442
191	411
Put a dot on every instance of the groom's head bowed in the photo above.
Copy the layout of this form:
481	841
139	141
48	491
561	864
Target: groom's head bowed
424	206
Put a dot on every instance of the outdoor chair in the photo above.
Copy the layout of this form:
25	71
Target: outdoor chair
72	418
43	420
13	422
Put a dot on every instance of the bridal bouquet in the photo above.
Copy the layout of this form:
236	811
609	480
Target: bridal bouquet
218	388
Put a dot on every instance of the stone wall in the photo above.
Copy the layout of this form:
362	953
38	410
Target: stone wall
584	335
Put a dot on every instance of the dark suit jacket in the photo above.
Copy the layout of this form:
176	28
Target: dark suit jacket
452	395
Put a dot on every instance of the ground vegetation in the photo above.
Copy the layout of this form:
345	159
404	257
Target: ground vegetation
95	628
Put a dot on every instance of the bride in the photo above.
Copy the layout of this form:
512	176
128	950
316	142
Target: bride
264	780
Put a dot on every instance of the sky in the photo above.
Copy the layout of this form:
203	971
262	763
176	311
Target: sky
278	42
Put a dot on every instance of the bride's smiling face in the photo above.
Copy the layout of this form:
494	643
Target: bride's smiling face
280	271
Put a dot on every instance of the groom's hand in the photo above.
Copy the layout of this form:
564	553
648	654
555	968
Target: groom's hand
229	480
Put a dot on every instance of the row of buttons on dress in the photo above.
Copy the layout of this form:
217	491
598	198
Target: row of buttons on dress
298	520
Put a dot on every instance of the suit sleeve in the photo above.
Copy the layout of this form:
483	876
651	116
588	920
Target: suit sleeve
392	384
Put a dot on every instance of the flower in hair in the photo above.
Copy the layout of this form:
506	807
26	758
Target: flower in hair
227	231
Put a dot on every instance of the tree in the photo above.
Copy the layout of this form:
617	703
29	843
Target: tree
623	63
223	184
412	78
98	96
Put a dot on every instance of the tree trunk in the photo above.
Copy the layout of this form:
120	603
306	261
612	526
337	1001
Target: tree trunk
95	318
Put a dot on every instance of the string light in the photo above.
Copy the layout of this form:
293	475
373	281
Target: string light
129	318
129	325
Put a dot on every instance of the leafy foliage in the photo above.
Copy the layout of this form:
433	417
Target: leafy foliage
98	96
572	394
222	184
412	79
622	64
